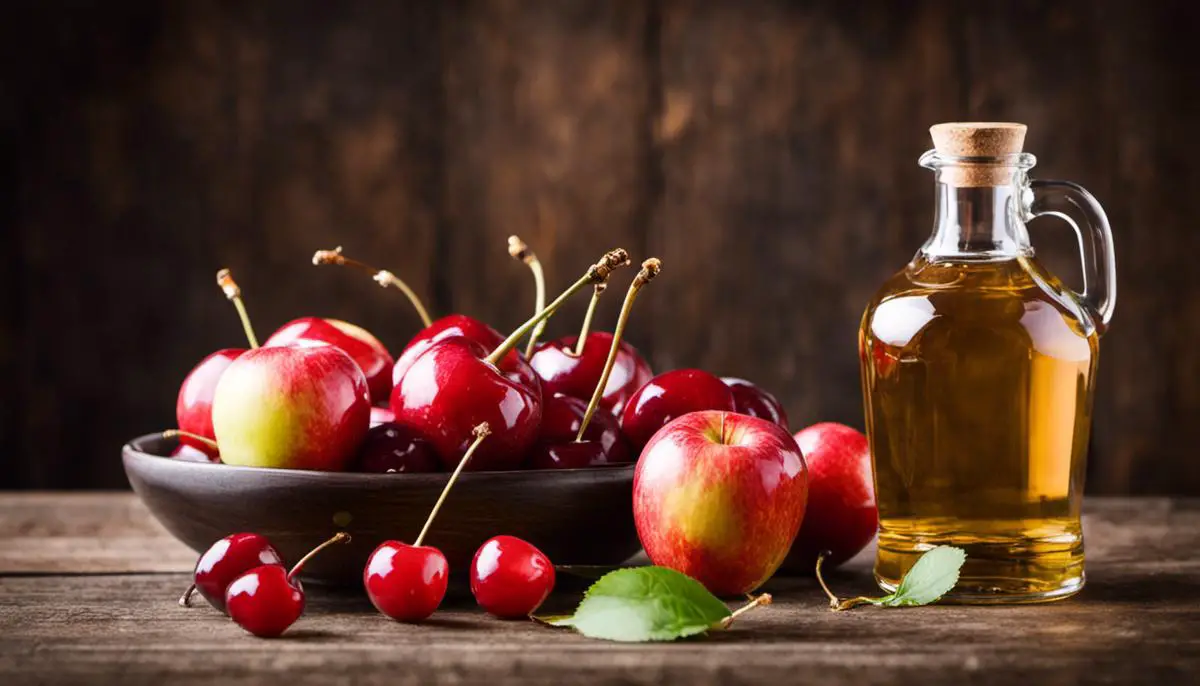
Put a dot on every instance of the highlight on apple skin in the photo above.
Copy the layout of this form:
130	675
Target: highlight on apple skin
719	496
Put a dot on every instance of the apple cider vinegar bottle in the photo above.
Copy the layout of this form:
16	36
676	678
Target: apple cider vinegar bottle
978	369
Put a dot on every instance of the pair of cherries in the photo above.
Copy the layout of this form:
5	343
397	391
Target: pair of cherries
243	575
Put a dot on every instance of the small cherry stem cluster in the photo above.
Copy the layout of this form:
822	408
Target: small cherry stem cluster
597	273
234	294
480	432
760	601
520	251
650	269
382	276
835	604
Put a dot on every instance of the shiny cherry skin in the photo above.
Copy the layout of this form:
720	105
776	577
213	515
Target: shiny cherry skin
405	582
451	389
380	415
229	558
460	325
510	578
603	443
392	448
193	407
186	453
562	371
365	349
670	395
264	601
753	400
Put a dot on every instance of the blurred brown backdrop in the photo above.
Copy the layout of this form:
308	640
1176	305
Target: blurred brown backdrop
766	151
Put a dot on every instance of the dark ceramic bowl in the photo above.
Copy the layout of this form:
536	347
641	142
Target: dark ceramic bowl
575	516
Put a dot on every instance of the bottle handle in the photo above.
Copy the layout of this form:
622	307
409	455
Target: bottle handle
1074	205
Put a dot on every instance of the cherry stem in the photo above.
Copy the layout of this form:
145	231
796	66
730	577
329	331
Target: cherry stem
481	432
835	604
650	269
185	600
587	319
339	537
597	273
234	294
764	599
519	250
176	433
382	276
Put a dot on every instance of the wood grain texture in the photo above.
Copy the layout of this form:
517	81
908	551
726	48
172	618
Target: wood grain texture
1133	623
765	150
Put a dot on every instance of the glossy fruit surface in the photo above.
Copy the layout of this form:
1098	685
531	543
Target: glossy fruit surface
193	407
670	395
264	601
392	448
460	325
556	448
451	389
510	578
751	399
404	582
719	496
842	516
365	349
381	415
303	406
186	453
562	371
229	558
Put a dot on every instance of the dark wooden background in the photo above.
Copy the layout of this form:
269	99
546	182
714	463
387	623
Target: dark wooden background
766	151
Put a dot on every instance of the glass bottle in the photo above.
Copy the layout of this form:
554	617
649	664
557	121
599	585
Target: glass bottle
978	369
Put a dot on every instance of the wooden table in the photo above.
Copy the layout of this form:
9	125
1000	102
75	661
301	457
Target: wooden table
88	584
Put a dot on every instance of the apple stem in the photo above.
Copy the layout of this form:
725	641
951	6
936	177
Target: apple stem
339	537
176	433
519	250
382	276
650	269
185	600
597	273
764	599
481	432
234	294
587	319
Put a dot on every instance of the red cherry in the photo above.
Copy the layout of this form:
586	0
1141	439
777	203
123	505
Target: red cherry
393	449
367	351
510	578
562	371
405	582
229	558
754	401
556	448
672	395
381	415
267	600
193	407
186	453
264	601
460	325
842	515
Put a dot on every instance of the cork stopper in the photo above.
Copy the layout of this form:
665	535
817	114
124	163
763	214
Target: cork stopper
978	139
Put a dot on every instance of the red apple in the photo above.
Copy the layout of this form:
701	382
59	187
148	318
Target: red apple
842	516
302	406
366	350
719	496
193	407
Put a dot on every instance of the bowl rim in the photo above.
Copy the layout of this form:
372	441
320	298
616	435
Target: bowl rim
137	448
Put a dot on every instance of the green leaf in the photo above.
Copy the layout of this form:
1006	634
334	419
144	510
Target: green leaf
645	604
932	577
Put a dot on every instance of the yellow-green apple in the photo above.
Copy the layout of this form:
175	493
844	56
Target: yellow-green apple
365	349
302	406
842	515
720	496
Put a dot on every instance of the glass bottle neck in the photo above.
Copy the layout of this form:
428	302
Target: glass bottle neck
978	223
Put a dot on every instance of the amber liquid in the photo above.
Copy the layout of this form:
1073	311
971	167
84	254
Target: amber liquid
977	378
